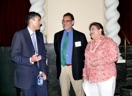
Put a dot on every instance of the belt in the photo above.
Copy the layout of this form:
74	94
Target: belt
68	64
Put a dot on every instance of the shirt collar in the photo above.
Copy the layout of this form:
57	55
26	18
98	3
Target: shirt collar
69	31
30	31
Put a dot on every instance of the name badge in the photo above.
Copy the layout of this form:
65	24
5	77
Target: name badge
78	44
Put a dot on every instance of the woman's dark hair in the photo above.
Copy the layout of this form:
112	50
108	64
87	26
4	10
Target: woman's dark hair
30	16
98	25
69	14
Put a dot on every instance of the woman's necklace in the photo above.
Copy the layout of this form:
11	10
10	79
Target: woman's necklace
93	49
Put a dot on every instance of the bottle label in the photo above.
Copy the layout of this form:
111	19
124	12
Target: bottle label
40	81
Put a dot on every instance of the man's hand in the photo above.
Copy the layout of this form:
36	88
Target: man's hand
84	77
43	75
36	58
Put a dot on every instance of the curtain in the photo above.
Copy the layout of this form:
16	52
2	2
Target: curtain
12	19
125	20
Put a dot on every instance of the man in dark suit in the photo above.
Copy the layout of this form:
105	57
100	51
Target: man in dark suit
69	46
28	53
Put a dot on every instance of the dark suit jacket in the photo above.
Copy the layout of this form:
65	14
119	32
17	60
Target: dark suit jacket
22	49
77	55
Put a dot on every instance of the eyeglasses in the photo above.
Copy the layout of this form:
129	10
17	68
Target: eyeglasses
67	21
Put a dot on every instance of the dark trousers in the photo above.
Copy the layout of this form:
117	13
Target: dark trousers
35	90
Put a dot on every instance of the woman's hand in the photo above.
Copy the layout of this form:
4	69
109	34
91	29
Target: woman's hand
95	63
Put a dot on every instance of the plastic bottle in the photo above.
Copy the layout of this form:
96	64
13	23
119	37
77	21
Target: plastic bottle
40	79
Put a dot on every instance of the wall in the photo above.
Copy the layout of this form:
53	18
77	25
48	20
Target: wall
84	11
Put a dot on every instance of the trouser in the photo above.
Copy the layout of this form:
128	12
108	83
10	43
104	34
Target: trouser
35	89
105	88
65	78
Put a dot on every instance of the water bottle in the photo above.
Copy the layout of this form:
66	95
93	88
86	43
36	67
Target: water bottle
40	79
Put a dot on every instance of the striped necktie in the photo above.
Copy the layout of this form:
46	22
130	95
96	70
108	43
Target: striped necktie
34	44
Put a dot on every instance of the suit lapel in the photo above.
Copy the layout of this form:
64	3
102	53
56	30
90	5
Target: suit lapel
60	39
74	39
28	39
38	40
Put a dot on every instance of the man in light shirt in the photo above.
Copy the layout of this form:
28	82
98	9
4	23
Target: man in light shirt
28	53
70	56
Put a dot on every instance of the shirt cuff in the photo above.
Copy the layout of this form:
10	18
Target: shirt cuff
31	61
